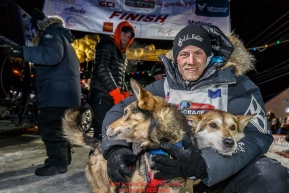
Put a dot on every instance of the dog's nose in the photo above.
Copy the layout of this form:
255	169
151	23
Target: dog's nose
228	142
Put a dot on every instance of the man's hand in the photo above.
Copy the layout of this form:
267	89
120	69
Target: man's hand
118	164
13	51
187	161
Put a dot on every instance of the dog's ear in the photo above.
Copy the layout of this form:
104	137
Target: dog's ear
243	121
194	120
145	99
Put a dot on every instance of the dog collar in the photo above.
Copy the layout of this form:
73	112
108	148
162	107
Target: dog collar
162	152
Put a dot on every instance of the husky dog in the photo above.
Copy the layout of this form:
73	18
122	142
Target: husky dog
146	123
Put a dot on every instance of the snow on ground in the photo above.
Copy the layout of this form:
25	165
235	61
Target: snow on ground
284	161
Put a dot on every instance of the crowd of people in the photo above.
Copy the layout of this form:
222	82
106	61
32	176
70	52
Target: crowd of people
278	126
207	67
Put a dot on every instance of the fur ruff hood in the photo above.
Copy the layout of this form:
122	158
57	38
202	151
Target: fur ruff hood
241	59
57	25
48	21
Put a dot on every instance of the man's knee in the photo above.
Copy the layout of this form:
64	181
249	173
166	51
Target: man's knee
263	174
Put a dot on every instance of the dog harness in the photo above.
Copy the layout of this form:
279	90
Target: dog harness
162	152
153	184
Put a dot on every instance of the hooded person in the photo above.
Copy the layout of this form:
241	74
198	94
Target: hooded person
107	86
206	71
58	88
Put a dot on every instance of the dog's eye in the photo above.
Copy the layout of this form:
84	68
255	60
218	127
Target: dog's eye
233	128
213	125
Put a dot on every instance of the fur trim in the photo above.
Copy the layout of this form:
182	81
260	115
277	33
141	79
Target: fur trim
241	59
50	20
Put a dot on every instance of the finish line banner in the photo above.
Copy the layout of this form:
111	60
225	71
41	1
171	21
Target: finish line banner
152	19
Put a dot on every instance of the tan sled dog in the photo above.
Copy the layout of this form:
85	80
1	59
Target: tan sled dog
146	123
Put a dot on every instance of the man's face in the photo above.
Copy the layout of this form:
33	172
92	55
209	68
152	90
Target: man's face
158	76
191	62
124	39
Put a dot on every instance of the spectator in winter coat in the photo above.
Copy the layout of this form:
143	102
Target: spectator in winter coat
107	86
270	115
275	125
58	85
284	127
208	68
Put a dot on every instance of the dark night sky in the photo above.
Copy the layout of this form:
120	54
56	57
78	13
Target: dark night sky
249	20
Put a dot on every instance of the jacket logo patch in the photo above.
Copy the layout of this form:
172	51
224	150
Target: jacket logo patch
214	94
259	121
48	36
190	108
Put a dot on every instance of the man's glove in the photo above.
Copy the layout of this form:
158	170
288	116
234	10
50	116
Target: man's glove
116	95
187	161
118	164
14	51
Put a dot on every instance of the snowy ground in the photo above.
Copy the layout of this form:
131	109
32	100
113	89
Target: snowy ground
21	155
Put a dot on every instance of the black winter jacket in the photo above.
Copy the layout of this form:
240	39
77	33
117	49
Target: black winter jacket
109	68
240	97
56	64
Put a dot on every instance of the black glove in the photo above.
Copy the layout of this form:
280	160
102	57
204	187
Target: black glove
14	51
118	164
187	161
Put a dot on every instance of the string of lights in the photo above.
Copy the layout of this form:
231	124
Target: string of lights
275	73
264	47
138	72
267	28
270	69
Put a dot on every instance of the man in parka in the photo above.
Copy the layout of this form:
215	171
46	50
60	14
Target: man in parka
58	85
107	86
207	68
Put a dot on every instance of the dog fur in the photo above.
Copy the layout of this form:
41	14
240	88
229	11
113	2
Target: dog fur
146	123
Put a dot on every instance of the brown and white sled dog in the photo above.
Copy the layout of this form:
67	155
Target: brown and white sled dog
146	123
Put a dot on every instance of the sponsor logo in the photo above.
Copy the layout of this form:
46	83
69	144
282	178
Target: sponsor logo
259	121
214	94
175	4
67	1
107	27
193	37
71	21
190	108
48	36
141	3
198	22
138	17
74	12
75	2
213	8
108	4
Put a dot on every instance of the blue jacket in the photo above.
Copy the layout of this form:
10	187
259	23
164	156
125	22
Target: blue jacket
236	93
56	64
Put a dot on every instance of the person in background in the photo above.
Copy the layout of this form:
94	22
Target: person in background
284	128
107	86
275	125
158	71
58	87
207	69
270	115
